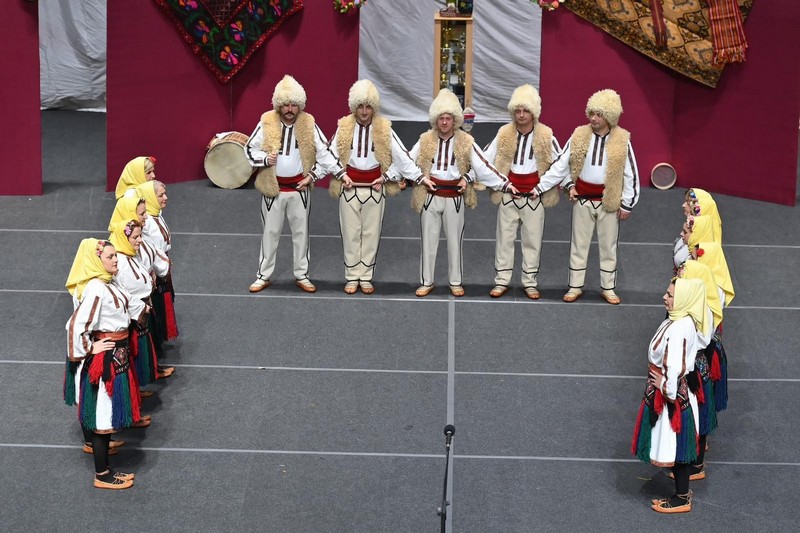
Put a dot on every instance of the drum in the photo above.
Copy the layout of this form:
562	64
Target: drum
663	176
225	163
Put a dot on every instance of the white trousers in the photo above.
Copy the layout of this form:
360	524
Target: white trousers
586	216
527	214
438	212
295	206
360	222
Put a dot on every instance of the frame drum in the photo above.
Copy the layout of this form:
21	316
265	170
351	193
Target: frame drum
225	163
663	176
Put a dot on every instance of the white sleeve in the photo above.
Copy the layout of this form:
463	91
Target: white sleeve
484	171
675	354
630	189
327	161
253	149
491	150
83	321
402	163
558	173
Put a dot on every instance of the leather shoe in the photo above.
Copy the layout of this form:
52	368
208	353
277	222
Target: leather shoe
351	287
306	285
424	290
259	285
115	443
695	476
665	505
164	371
532	293
498	291
611	297
124	476
457	290
572	295
367	287
116	484
146	393
143	422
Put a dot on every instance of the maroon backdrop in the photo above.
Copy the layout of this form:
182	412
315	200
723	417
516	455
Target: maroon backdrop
164	102
21	149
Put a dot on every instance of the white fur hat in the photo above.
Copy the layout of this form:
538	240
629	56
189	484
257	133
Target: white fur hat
606	102
364	92
288	91
446	102
527	97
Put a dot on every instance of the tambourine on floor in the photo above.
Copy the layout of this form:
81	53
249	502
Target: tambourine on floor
225	163
663	176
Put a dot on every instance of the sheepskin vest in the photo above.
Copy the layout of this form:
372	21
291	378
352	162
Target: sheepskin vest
617	152
428	144
542	151
381	140
266	180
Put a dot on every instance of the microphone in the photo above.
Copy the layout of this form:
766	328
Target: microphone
449	431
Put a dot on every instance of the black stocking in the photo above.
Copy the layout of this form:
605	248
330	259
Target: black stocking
100	447
681	473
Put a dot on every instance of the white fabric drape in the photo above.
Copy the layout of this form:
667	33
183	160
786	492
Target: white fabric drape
396	53
72	54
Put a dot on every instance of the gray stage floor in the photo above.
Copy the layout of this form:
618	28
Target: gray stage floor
308	413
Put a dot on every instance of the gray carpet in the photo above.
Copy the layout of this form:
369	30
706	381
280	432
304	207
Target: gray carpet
307	413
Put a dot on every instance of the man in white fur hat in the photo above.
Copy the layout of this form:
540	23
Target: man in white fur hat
293	153
603	184
450	161
523	150
366	143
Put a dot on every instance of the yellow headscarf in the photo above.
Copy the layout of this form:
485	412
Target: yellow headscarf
713	256
697	270
132	175
147	191
702	228
125	209
706	206
86	266
690	300
119	237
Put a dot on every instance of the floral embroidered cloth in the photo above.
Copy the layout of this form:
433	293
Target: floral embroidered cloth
225	34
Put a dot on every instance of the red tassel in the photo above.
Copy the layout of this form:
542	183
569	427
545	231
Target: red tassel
658	403
134	342
136	397
701	395
169	310
153	355
96	368
716	369
636	429
676	419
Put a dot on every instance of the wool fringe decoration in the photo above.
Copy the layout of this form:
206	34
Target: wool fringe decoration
721	385
686	450
715	372
144	359
642	435
708	412
658	402
676	418
96	368
87	408
136	398
120	402
69	382
169	311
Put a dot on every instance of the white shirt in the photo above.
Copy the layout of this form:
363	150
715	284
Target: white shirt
362	154
444	165
524	161
103	307
157	232
288	162
133	276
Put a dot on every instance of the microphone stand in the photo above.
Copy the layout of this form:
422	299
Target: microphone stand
449	431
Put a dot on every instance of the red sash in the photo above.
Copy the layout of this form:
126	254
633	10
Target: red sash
290	183
446	188
363	176
589	190
524	182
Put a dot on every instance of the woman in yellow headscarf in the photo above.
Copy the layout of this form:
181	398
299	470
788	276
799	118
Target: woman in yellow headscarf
700	382
156	232
137	171
711	255
666	429
699	202
135	276
98	380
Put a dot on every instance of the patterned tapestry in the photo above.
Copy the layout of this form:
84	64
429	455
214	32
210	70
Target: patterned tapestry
225	34
689	40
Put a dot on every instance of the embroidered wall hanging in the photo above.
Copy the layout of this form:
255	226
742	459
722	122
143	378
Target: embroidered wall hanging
225	34
682	37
